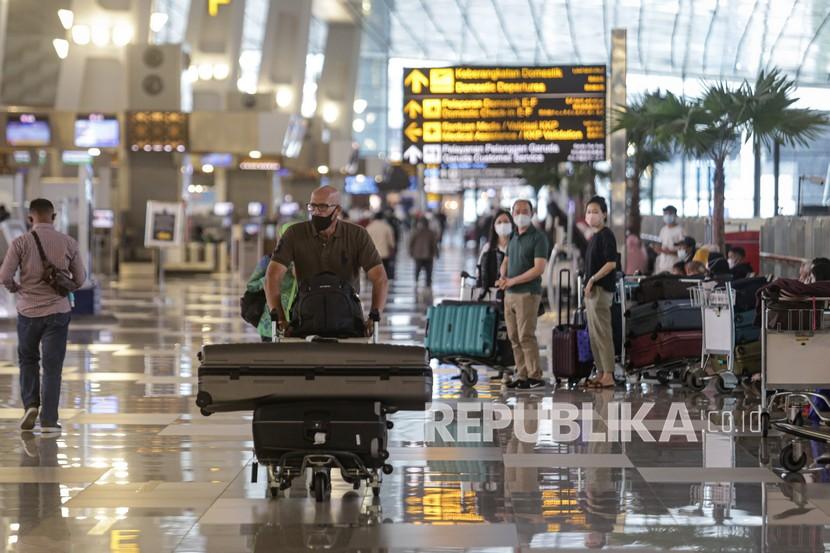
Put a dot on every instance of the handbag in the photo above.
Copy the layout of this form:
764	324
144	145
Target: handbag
53	276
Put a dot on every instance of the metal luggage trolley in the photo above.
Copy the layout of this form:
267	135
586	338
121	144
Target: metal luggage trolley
795	354
663	372
281	471
502	359
717	307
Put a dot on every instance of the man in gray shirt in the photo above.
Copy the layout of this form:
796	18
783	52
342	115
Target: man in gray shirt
43	313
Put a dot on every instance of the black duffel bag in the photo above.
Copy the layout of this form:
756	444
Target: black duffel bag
252	306
327	306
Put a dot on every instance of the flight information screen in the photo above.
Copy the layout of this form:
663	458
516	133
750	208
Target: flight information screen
504	115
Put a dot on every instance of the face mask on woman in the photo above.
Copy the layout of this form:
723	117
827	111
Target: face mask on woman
669	219
681	253
593	219
504	229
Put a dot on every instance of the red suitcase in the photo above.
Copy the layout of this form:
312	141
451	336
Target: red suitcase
662	347
563	347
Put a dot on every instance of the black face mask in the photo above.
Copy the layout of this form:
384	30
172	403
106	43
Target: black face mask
321	222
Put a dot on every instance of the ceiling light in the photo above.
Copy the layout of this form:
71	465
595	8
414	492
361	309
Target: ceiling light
67	17
61	47
330	112
80	34
94	152
360	105
254	154
221	71
359	125
323	170
122	34
247	84
206	72
157	21
100	34
192	73
207	168
284	97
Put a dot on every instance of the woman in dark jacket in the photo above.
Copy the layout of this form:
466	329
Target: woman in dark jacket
600	263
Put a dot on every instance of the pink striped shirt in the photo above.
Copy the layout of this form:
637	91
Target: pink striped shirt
35	298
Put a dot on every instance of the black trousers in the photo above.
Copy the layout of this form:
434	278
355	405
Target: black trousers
426	266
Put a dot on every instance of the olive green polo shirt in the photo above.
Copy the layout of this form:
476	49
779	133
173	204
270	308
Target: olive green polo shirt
522	252
347	251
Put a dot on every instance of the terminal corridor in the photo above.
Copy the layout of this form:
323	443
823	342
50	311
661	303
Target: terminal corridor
138	468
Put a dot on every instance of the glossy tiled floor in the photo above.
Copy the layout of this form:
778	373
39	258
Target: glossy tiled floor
138	469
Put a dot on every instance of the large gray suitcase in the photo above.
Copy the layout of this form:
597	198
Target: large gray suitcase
239	377
660	316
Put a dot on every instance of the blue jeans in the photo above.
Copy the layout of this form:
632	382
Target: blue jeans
50	333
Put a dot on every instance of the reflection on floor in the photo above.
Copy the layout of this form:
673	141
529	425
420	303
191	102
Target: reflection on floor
139	469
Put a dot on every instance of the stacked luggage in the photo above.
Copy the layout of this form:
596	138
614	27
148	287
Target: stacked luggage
663	326
747	354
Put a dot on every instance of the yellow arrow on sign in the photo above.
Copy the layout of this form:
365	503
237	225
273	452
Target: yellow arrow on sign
412	109
413	132
213	6
416	80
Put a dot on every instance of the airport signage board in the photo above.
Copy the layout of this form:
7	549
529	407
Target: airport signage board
163	224
503	116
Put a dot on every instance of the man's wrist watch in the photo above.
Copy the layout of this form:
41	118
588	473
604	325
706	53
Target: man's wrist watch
374	315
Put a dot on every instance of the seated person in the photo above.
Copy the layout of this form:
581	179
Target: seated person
738	265
326	244
686	249
679	269
695	268
820	269
717	267
701	256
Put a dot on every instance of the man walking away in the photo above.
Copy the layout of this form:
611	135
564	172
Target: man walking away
383	237
521	278
423	247
50	267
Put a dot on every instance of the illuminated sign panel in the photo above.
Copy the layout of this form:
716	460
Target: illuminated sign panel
504	115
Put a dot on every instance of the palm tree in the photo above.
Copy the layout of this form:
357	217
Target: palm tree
769	121
708	127
640	120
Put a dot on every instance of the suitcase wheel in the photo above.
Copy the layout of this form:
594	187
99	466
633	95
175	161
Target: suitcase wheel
388	469
205	413
203	399
320	485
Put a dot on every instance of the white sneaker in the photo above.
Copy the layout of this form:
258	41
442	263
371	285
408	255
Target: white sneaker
50	429
27	423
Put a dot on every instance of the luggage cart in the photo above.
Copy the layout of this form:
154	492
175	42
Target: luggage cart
502	359
281	471
666	372
794	362
717	307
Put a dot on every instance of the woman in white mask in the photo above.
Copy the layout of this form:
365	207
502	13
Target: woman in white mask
600	263
493	252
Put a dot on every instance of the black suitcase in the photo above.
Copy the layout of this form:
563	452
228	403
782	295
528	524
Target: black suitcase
664	287
340	428
746	291
663	315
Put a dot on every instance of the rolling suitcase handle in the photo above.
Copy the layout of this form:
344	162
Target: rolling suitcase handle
562	272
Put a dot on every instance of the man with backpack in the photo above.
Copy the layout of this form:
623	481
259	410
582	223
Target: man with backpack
50	268
328	255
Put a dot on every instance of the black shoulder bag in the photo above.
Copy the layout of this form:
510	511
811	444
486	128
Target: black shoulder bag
53	276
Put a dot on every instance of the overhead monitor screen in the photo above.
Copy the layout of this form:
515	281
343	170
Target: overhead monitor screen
502	116
96	130
223	209
103	218
217	160
26	129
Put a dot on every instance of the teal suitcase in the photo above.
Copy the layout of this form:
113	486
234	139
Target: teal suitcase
462	329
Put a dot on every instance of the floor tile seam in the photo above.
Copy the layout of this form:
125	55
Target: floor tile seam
210	506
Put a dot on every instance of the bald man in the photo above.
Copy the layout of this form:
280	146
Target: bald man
326	244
